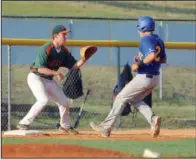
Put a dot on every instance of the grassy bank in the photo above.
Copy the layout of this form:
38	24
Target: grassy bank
120	9
177	90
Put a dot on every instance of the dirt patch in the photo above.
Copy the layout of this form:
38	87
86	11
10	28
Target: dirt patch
166	134
57	150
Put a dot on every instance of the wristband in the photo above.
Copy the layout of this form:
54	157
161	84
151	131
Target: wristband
140	63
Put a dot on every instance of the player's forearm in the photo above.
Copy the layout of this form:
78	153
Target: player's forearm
149	58
78	64
47	71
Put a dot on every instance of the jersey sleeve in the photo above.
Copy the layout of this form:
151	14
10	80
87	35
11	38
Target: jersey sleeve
147	45
41	59
162	55
69	61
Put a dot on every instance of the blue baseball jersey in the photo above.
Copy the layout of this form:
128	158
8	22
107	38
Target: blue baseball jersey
148	44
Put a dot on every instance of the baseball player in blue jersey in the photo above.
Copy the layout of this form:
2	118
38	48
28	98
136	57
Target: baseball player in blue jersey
146	64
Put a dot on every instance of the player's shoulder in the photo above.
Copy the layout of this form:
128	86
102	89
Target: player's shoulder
151	39
148	38
47	47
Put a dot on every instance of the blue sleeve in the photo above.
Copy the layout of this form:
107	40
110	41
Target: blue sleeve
162	55
147	45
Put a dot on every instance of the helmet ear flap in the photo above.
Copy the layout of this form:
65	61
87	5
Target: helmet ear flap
143	28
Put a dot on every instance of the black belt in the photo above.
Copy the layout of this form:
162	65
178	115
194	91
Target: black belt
45	77
149	76
48	78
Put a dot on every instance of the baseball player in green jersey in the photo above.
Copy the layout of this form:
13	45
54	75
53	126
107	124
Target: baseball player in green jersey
50	57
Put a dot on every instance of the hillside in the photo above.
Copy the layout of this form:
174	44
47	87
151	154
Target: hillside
120	9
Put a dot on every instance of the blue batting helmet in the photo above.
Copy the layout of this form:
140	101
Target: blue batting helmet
146	23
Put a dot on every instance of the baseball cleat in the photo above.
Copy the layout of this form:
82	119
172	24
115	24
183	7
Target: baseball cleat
22	127
69	130
103	132
156	126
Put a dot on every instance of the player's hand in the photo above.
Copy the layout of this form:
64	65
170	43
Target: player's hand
135	59
60	76
134	67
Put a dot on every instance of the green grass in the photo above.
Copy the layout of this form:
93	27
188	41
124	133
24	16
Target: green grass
169	9
184	148
102	83
175	111
172	117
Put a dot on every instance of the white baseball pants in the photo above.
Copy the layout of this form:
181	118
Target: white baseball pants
45	90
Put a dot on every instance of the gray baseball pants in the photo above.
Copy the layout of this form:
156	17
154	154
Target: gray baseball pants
134	92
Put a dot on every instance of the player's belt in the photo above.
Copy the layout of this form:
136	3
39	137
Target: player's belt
33	70
149	76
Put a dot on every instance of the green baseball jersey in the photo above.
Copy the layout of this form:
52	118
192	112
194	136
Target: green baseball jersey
49	57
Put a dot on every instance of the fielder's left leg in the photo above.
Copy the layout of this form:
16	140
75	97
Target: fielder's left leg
57	95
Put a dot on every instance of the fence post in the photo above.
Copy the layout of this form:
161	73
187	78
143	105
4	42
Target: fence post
118	121
110	49
71	28
71	33
118	63
9	87
161	70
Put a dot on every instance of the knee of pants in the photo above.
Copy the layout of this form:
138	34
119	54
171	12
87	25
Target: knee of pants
64	103
121	98
43	101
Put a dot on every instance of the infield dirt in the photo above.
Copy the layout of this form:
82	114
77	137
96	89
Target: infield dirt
61	150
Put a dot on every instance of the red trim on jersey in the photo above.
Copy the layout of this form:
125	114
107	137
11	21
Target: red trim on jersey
48	50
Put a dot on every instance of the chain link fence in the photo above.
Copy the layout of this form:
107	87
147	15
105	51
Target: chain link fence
178	96
100	79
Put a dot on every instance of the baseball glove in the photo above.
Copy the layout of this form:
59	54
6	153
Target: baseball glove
87	51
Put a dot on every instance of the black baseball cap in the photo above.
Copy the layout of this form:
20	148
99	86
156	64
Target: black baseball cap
60	28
